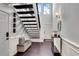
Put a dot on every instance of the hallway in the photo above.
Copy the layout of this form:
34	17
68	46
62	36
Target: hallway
38	49
39	29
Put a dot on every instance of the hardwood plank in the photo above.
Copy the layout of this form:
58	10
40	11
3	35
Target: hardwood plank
38	49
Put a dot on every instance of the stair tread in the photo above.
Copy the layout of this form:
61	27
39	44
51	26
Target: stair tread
29	24
26	12
28	20
23	6
27	17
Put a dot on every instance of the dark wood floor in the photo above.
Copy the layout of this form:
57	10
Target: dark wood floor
38	49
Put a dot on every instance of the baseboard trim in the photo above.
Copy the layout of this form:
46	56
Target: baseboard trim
71	44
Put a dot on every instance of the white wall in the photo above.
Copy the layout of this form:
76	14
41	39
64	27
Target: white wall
46	23
46	26
20	32
54	18
8	10
69	31
14	37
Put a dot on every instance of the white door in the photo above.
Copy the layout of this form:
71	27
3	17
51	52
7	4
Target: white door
4	43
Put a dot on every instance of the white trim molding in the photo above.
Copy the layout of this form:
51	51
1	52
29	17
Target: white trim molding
71	45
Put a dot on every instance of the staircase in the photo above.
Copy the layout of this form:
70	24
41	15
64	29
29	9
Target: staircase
29	16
